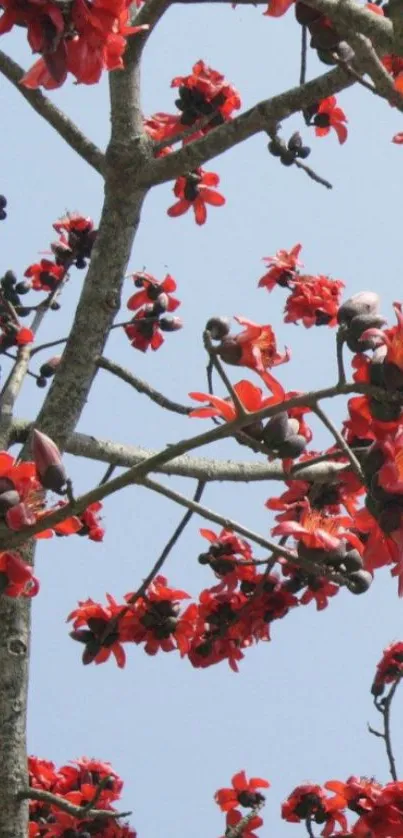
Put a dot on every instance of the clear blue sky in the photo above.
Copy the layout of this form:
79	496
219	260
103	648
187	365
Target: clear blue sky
299	707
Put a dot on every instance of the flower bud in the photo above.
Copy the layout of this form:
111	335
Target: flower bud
218	327
292	447
230	351
49	367
365	302
352	561
360	581
276	429
49	466
170	324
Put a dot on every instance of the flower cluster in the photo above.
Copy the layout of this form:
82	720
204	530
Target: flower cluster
389	669
242	793
151	305
82	39
313	300
205	100
78	784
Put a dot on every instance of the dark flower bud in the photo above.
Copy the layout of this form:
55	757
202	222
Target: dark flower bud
376	367
392	376
303	152
377	689
23	311
384	411
47	458
326	56
204	558
352	561
8	499
361	322
49	367
276	430
295	141
277	147
160	305
55	306
3	215
170	324
3	202
9	279
360	581
305	15
288	158
23	287
373	460
218	327
292	447
80	263
323	36
41	382
365	302
254	430
230	351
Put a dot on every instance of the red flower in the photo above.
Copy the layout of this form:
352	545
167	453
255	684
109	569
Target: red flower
16	577
194	190
233	818
152	290
328	115
282	268
99	644
155	620
144	332
243	792
389	669
319	532
205	86
314	300
255	348
310	802
391	338
277	8
45	275
250	396
390	474
24	336
398	138
73	222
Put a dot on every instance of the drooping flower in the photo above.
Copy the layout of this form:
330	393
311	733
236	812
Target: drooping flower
314	300
329	115
282	268
389	669
195	190
144	332
45	275
205	91
243	793
317	531
17	577
152	289
255	348
250	396
91	622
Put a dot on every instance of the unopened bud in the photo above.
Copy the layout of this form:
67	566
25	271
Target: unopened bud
218	327
49	367
49	466
360	581
365	302
170	324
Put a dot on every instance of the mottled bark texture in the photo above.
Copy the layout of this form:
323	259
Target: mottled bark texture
14	661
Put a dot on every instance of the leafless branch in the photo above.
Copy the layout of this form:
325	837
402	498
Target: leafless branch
142	386
70	808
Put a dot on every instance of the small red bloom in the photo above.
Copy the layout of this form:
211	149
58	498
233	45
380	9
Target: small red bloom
255	348
250	396
277	8
24	336
243	793
195	190
391	338
318	531
205	86
233	818
91	622
389	669
16	577
144	332
329	115
45	275
152	290
282	268
314	300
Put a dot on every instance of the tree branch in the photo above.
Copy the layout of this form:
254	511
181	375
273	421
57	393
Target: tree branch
142	387
78	812
242	127
51	114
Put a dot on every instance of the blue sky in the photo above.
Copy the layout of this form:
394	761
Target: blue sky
298	709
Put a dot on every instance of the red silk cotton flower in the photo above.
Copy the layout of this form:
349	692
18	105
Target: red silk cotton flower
314	300
205	91
327	115
195	190
255	348
152	290
243	793
277	8
16	577
282	268
250	396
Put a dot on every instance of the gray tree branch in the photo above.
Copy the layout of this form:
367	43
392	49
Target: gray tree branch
51	114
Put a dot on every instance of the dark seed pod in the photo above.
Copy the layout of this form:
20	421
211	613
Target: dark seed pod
288	158
170	324
23	311
230	351
254	430
303	152
384	411
3	201
360	581
49	367
9	279
292	447
41	382
323	37
23	287
3	215
54	478
365	302
276	430
8	500
352	561
361	322
295	141
327	57
277	147
392	376
55	306
204	558
218	327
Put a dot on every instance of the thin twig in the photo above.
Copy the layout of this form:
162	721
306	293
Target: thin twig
384	708
143	387
108	474
340	339
215	361
304	45
343	445
48	345
308	824
239	829
312	174
113	623
66	806
51	114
